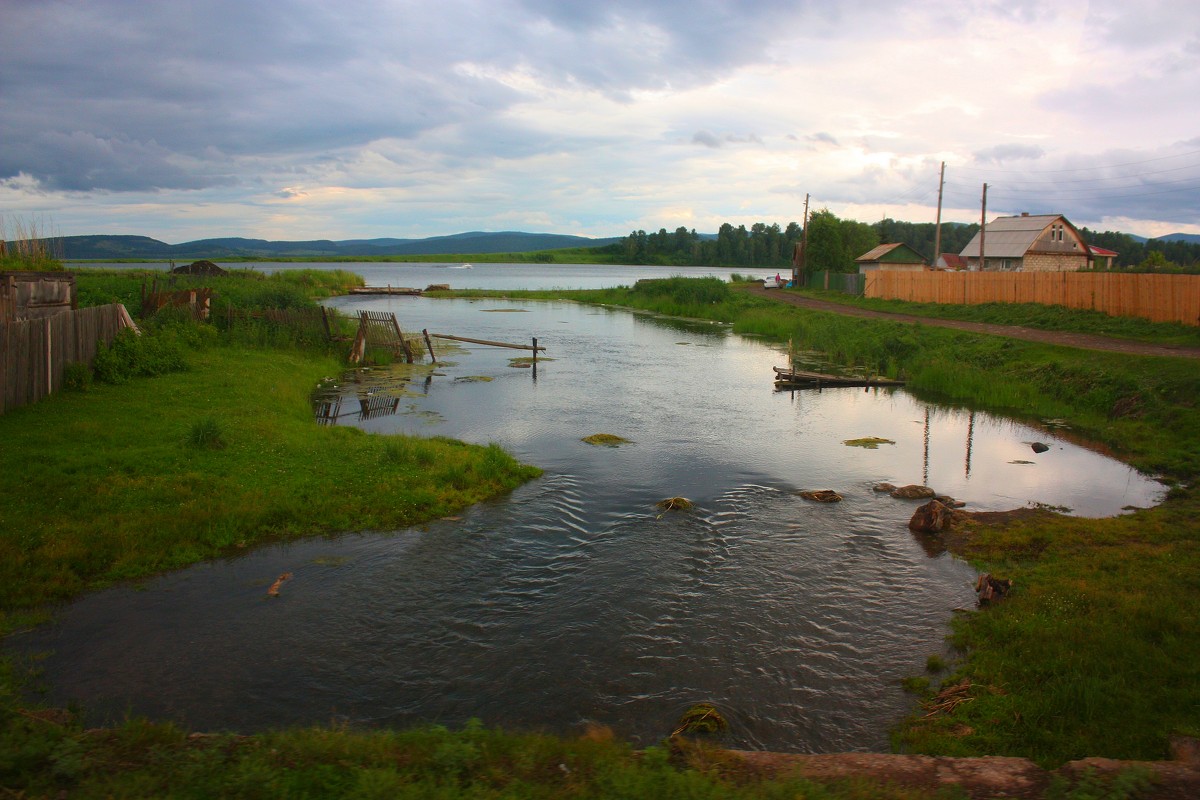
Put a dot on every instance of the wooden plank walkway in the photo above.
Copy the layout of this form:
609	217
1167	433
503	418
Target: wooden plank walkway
385	290
799	379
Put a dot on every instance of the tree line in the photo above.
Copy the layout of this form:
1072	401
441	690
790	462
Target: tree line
834	243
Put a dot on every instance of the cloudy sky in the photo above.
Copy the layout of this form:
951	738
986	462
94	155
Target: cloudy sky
303	119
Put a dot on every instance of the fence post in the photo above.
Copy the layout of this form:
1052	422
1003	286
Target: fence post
429	344
49	359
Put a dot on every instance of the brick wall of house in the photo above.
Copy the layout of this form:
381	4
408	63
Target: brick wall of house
1054	262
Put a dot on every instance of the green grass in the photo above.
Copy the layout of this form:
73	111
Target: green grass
140	759
242	288
123	481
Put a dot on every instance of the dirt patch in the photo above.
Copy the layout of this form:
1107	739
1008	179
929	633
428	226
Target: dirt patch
1081	340
986	777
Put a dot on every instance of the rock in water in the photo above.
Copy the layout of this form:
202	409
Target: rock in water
1038	447
933	517
913	492
821	495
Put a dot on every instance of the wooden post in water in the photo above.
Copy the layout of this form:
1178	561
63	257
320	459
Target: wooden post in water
429	344
408	356
535	351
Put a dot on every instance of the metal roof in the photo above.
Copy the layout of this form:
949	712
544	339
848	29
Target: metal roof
1011	237
882	250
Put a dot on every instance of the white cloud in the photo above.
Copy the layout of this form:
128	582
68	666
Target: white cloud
307	120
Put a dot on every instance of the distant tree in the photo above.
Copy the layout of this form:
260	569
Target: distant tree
1128	249
825	248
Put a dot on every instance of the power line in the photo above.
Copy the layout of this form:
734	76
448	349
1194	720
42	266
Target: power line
1084	169
1056	181
1095	191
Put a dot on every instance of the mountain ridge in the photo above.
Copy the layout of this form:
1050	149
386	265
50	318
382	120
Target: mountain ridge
102	246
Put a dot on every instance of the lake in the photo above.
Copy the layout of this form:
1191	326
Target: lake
418	275
576	600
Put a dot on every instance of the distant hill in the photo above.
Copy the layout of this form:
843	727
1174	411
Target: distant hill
118	247
1190	238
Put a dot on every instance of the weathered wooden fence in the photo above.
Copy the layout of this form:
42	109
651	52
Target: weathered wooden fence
1160	298
845	282
32	295
314	324
379	329
34	353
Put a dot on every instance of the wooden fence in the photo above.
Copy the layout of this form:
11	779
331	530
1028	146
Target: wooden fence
844	282
1160	298
32	295
34	353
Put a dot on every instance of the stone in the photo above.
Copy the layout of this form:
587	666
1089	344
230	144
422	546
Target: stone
1038	447
933	517
913	492
991	589
821	496
885	487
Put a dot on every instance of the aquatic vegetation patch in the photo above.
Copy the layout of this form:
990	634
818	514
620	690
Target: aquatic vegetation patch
676	504
525	361
702	718
605	440
867	442
474	379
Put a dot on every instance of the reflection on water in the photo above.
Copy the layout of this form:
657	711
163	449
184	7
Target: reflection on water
575	600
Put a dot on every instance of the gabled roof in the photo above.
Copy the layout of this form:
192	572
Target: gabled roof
1011	237
878	253
953	260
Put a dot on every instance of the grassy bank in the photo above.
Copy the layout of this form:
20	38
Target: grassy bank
120	482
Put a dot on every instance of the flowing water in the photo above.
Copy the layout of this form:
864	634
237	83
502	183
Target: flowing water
575	600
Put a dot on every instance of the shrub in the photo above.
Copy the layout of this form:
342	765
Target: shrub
131	355
77	376
208	434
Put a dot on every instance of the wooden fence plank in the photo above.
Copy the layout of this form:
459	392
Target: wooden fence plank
1159	298
34	354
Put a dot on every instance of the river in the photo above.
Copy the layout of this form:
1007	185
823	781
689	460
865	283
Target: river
576	600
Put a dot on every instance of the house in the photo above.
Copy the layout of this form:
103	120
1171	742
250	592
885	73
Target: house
891	258
1102	257
1029	243
950	261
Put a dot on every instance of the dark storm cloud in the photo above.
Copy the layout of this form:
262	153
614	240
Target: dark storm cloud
125	96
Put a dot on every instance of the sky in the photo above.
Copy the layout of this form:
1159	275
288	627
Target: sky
311	119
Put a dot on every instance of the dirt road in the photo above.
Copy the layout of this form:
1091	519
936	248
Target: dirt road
1081	340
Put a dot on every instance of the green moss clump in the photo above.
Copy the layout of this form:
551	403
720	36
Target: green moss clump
702	718
868	442
676	504
605	440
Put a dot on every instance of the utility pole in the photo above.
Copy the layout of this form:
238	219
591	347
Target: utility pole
803	246
983	230
937	236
